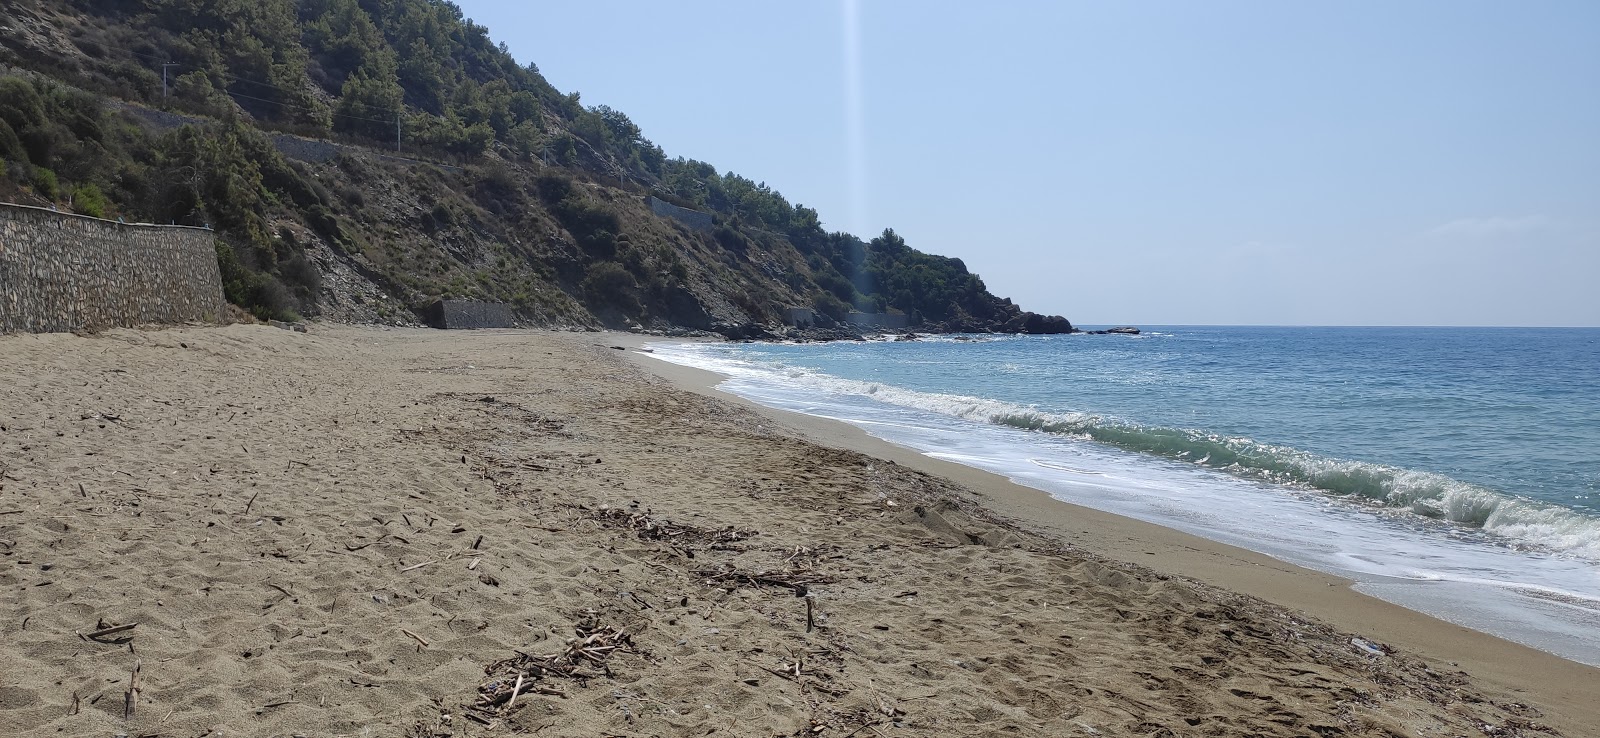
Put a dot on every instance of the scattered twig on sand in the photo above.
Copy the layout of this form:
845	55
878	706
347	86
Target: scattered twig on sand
862	727
798	581
660	529
418	638
130	698
349	547
418	566
251	503
105	630
785	673
266	707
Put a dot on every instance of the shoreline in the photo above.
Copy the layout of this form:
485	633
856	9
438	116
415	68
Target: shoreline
1327	597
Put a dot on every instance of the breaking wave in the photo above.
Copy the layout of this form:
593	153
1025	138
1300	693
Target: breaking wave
1516	521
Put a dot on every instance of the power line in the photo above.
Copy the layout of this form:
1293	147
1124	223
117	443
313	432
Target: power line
384	121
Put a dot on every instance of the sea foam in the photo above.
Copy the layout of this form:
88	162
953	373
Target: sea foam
1511	520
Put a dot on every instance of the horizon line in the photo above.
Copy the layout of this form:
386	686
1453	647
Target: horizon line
1337	325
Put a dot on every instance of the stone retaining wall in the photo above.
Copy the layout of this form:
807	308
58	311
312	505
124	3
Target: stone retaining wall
695	219
800	317
878	320
62	272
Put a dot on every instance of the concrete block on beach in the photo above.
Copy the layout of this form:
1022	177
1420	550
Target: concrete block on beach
458	314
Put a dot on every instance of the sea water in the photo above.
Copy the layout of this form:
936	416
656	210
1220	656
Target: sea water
1455	471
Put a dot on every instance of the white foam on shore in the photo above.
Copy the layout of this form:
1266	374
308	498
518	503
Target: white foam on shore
1515	521
1547	597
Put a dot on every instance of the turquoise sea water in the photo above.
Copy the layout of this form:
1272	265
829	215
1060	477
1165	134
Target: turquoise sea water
1452	470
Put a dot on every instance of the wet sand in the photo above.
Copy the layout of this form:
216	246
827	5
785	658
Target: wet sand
390	532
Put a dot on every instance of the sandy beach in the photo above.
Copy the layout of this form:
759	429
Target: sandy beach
366	531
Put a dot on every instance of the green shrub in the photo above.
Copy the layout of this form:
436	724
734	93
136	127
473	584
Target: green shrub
262	294
89	200
553	188
753	307
594	226
443	215
302	273
10	145
44	183
731	240
830	306
607	283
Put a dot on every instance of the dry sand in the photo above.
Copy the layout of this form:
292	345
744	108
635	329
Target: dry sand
340	533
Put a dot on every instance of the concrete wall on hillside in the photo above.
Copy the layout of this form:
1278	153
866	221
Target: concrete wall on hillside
311	150
695	219
878	320
61	272
305	149
468	314
800	317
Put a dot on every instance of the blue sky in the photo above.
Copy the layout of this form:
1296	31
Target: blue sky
1328	163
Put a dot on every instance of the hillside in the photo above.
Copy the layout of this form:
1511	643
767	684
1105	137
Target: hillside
502	189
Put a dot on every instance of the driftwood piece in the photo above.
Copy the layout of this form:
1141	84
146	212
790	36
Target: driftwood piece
103	632
515	691
130	698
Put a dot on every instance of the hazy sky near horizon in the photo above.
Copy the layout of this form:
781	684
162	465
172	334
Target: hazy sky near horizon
1332	163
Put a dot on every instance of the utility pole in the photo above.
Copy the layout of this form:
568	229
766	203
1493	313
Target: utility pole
397	131
164	86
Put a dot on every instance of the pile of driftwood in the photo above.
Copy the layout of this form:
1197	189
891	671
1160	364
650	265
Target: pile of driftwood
651	528
583	658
